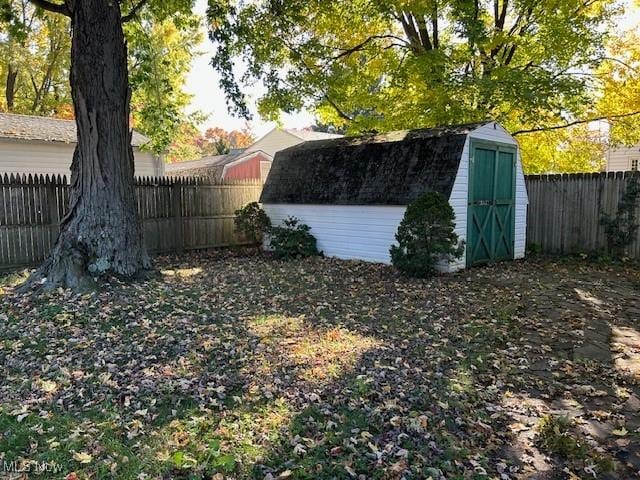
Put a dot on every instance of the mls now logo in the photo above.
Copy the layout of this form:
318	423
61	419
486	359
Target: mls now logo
31	467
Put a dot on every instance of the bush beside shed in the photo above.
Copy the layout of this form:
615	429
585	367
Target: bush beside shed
353	192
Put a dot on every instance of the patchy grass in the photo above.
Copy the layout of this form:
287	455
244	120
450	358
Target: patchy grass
243	367
556	438
9	280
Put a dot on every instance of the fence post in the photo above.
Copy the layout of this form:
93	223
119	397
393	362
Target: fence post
176	207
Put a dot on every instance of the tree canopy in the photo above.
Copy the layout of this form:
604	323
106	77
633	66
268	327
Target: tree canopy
361	66
190	144
374	66
162	38
35	59
162	45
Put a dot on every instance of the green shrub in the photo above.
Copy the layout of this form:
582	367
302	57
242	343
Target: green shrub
425	236
621	228
293	240
534	248
252	222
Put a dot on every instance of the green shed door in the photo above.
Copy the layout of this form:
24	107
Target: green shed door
491	214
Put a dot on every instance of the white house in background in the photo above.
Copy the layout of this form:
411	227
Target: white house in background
353	192
42	145
279	139
623	158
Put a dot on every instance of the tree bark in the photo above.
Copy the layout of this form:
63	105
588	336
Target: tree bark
102	232
10	87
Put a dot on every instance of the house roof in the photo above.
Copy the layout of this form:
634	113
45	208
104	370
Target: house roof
239	157
310	135
211	167
200	163
388	169
47	129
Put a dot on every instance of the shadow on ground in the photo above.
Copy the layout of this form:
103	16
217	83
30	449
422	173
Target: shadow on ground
251	368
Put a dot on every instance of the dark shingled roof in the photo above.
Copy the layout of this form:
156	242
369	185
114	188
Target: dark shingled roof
389	169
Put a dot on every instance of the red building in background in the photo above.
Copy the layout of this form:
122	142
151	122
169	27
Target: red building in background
253	165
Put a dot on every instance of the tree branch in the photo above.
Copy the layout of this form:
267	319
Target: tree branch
500	14
576	122
621	62
134	11
325	95
423	32
434	26
340	113
410	31
348	51
52	7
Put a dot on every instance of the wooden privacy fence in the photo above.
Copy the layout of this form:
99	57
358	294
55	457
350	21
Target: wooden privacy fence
178	214
565	211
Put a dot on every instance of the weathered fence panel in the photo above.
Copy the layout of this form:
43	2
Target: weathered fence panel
566	211
178	214
182	214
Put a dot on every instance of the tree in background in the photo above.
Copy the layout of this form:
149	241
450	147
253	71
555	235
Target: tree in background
620	96
190	144
376	66
161	43
185	145
568	150
161	49
218	141
34	61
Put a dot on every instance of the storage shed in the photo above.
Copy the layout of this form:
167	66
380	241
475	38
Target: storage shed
353	192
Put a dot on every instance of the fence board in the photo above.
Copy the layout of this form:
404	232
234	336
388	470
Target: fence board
565	211
178	214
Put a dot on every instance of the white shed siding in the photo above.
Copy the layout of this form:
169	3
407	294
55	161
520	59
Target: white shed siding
495	133
54	158
459	201
364	232
274	141
619	159
522	203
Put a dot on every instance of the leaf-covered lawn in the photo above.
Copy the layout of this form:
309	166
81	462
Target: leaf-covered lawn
233	366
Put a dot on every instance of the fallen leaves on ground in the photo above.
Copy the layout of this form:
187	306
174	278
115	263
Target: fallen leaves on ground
231	366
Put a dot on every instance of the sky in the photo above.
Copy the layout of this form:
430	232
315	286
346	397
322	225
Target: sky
208	97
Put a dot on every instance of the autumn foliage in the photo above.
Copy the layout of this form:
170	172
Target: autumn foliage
190	144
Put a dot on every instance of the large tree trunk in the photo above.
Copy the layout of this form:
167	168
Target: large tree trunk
102	233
